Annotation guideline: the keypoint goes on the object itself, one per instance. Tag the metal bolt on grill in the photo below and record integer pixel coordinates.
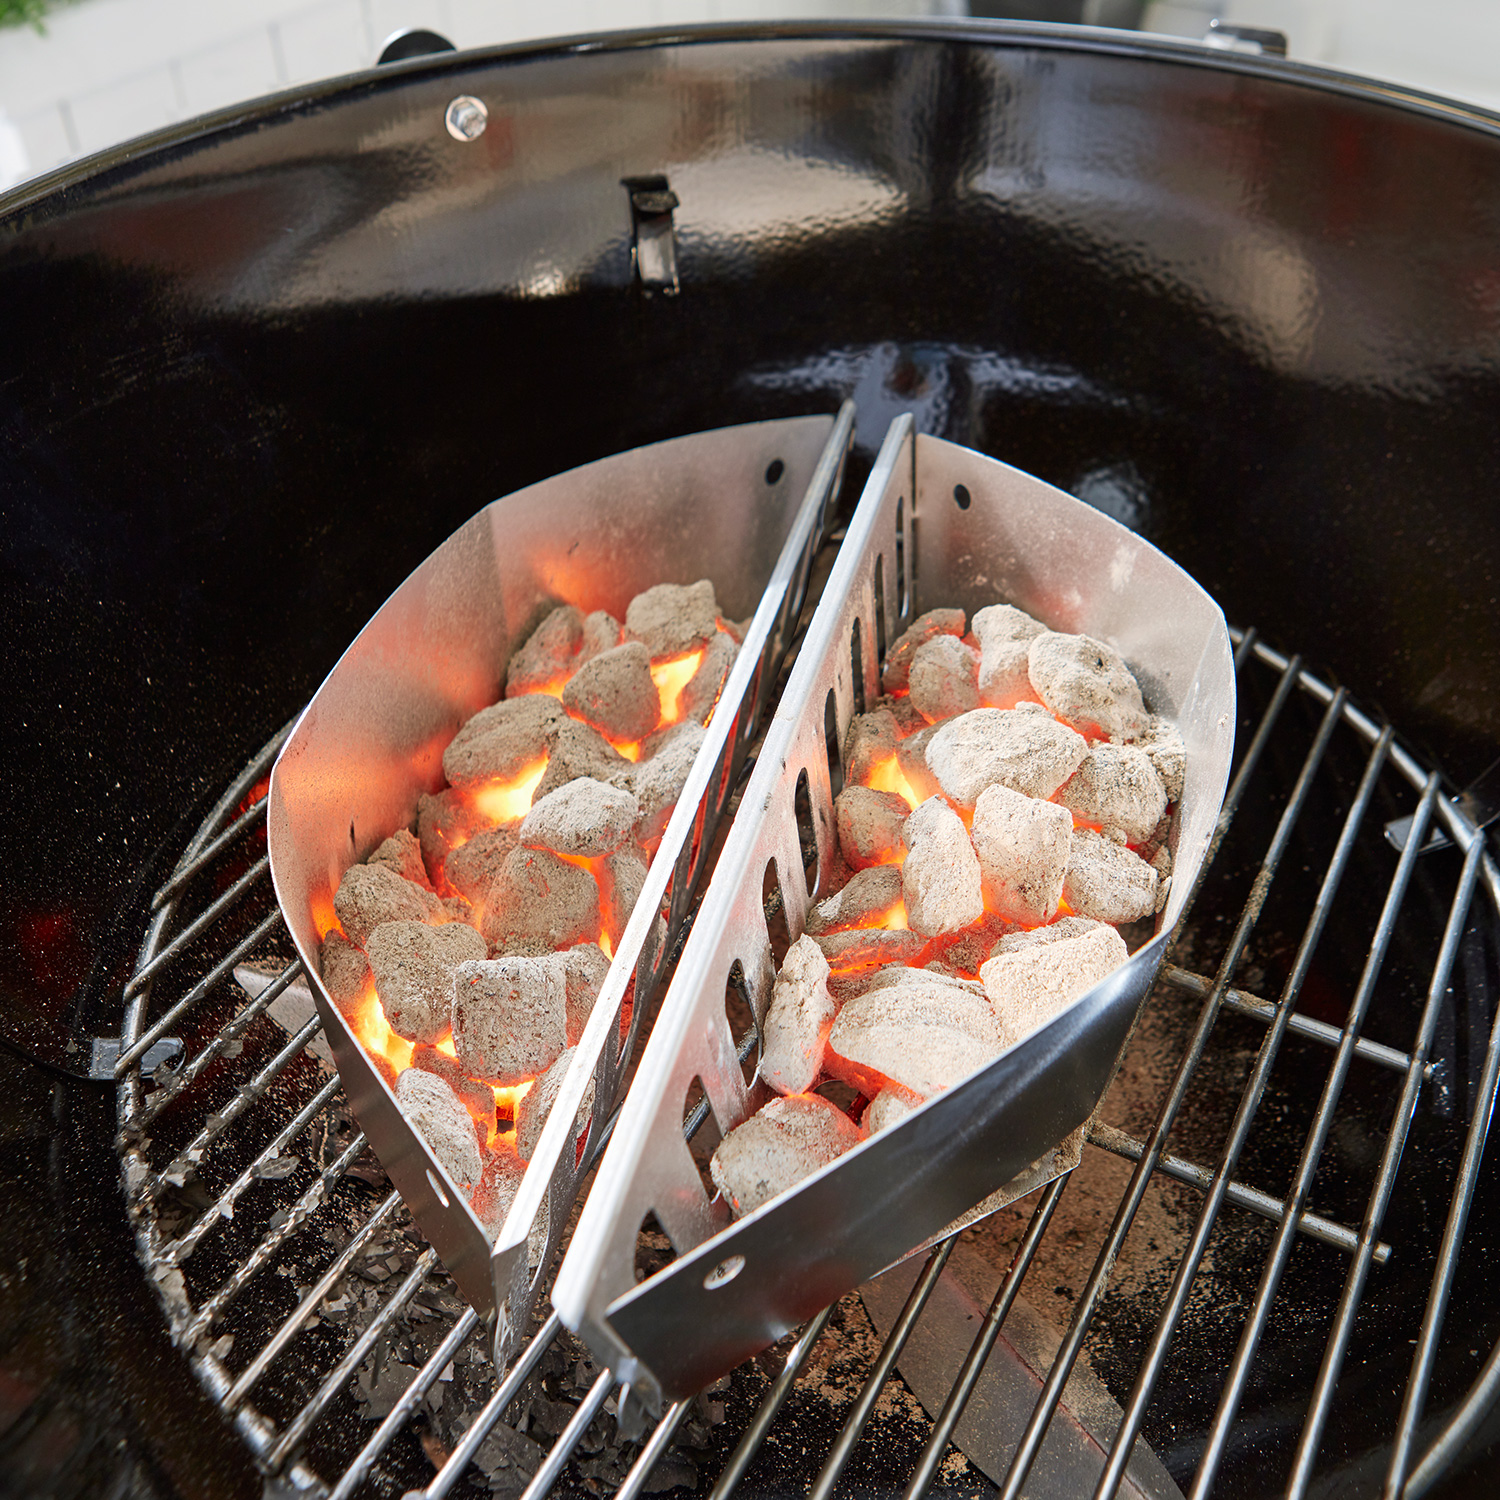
(1327, 969)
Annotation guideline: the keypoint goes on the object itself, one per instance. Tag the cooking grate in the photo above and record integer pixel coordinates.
(285, 1265)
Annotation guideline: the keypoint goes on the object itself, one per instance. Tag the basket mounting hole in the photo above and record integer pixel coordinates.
(774, 470)
(437, 1187)
(723, 1273)
(961, 496)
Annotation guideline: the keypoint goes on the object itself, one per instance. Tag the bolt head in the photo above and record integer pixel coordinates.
(466, 118)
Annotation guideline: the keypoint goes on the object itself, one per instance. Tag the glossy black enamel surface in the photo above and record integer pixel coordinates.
(252, 373)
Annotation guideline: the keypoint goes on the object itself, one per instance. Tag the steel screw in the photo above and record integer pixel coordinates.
(466, 118)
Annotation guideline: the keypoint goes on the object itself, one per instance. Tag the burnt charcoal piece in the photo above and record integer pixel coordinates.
(346, 973)
(1005, 634)
(658, 782)
(508, 1018)
(584, 969)
(797, 1021)
(1033, 976)
(869, 948)
(1023, 846)
(582, 817)
(575, 749)
(697, 699)
(923, 1033)
(601, 632)
(472, 869)
(477, 1098)
(777, 1147)
(548, 654)
(532, 1112)
(403, 854)
(539, 903)
(621, 877)
(1162, 741)
(872, 738)
(413, 966)
(1023, 748)
(672, 618)
(887, 1108)
(944, 678)
(501, 741)
(1117, 788)
(960, 954)
(439, 1117)
(940, 880)
(369, 895)
(445, 820)
(906, 645)
(1087, 683)
(903, 711)
(861, 901)
(1108, 882)
(616, 693)
(869, 824)
(497, 1189)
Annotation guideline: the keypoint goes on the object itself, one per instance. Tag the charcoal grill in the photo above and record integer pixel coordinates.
(1242, 305)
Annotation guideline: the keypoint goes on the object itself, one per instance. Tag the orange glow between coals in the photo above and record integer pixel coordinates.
(375, 1034)
(893, 920)
(670, 678)
(505, 801)
(508, 1097)
(446, 1047)
(886, 776)
(325, 919)
(606, 945)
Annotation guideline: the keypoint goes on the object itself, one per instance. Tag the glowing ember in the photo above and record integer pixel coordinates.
(606, 945)
(886, 776)
(505, 801)
(375, 1034)
(670, 678)
(325, 920)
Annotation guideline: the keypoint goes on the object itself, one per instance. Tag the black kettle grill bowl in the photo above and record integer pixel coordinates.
(253, 369)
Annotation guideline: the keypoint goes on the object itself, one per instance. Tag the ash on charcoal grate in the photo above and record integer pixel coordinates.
(468, 951)
(1004, 814)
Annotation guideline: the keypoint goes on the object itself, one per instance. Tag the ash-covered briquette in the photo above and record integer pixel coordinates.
(403, 854)
(539, 903)
(439, 1117)
(547, 655)
(532, 1112)
(509, 1017)
(797, 1020)
(922, 1034)
(1005, 634)
(961, 953)
(601, 632)
(1086, 682)
(582, 817)
(895, 678)
(867, 896)
(477, 1098)
(869, 826)
(786, 1141)
(944, 678)
(1117, 788)
(658, 782)
(584, 969)
(940, 878)
(346, 973)
(1162, 741)
(445, 820)
(474, 867)
(869, 947)
(672, 618)
(621, 878)
(926, 976)
(887, 1108)
(1023, 748)
(498, 1185)
(1033, 976)
(616, 693)
(576, 749)
(703, 688)
(1109, 882)
(911, 758)
(370, 895)
(501, 741)
(413, 965)
(872, 738)
(1023, 846)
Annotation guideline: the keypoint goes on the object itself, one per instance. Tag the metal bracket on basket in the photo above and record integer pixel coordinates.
(937, 525)
(742, 505)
